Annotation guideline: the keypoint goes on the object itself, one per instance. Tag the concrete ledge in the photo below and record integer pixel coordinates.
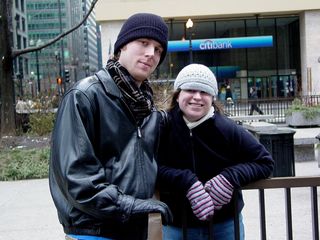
(259, 126)
(304, 147)
(305, 152)
(252, 117)
(305, 141)
(28, 111)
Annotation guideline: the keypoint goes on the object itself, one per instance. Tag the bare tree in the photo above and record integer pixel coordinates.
(7, 55)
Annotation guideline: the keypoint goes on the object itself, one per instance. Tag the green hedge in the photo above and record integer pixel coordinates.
(20, 164)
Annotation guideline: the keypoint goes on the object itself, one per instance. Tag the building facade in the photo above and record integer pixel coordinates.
(70, 59)
(271, 45)
(20, 41)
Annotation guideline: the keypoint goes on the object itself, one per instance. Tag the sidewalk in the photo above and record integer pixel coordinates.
(27, 211)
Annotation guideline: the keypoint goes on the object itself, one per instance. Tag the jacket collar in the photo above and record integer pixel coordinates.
(107, 82)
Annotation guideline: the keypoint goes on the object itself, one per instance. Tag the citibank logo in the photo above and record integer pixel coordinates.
(212, 44)
(221, 43)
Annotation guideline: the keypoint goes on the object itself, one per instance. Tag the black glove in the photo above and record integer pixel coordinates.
(152, 206)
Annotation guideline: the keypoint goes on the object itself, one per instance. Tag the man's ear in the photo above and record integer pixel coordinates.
(123, 48)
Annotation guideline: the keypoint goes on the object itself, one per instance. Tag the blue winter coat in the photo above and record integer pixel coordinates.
(217, 146)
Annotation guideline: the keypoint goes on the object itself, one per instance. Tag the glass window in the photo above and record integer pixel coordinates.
(23, 22)
(24, 42)
(22, 5)
(261, 61)
(18, 41)
(263, 67)
(288, 45)
(17, 18)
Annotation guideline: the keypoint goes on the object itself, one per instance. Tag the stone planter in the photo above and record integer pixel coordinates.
(296, 119)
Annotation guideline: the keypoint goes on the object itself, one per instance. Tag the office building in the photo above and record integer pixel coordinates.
(72, 58)
(272, 45)
(19, 36)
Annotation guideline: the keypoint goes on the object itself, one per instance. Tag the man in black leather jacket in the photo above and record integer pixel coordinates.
(102, 167)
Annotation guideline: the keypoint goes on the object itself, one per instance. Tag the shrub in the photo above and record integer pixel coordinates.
(161, 94)
(41, 123)
(20, 164)
(309, 111)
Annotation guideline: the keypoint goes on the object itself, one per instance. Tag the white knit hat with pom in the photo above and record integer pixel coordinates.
(196, 77)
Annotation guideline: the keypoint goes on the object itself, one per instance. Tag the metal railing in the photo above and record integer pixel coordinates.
(286, 183)
(275, 106)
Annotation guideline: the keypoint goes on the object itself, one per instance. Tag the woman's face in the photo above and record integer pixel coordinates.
(194, 104)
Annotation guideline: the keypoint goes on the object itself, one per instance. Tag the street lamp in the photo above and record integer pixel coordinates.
(189, 25)
(86, 68)
(62, 73)
(39, 43)
(20, 77)
(31, 83)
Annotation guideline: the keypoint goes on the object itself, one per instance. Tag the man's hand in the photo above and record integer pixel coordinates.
(152, 206)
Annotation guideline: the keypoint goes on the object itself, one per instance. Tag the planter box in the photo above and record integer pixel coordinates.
(296, 119)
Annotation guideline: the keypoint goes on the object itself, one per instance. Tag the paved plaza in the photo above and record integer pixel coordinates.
(27, 211)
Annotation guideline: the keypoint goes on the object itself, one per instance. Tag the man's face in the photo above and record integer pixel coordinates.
(141, 57)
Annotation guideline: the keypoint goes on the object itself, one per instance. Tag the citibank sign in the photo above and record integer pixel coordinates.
(220, 43)
(212, 44)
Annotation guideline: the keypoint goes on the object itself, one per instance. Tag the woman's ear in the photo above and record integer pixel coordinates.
(177, 98)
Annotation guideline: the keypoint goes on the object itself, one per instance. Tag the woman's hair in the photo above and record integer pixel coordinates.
(218, 107)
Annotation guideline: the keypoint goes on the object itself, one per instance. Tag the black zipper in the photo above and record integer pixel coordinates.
(192, 150)
(139, 133)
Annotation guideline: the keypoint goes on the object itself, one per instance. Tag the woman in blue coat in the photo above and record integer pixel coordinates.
(204, 157)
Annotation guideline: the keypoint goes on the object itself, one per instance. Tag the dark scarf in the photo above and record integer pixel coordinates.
(138, 99)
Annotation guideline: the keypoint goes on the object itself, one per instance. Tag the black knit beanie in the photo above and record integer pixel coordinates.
(143, 25)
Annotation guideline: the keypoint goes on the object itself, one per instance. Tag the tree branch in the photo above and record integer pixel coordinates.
(16, 53)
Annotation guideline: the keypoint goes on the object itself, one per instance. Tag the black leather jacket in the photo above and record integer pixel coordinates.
(99, 155)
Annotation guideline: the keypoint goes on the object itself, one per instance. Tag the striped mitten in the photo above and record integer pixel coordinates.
(201, 202)
(220, 190)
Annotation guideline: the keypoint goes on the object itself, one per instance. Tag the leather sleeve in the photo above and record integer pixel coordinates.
(77, 171)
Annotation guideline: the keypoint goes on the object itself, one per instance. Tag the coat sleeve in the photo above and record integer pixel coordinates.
(78, 174)
(254, 162)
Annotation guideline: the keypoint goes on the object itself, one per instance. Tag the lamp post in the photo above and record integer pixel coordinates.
(59, 75)
(38, 73)
(189, 26)
(57, 55)
(86, 68)
(62, 73)
(37, 44)
(20, 77)
(31, 84)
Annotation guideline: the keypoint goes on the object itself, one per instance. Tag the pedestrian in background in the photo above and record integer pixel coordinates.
(253, 101)
(102, 167)
(229, 98)
(204, 157)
